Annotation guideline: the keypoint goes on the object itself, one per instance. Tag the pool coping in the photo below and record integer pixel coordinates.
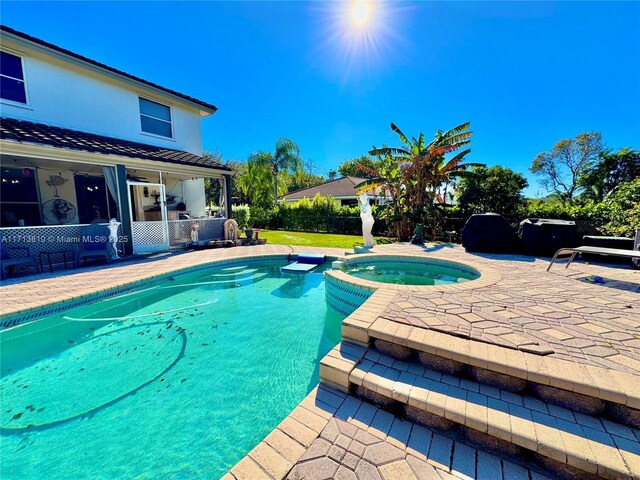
(488, 276)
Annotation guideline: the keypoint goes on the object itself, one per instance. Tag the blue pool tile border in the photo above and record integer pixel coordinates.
(37, 313)
(403, 260)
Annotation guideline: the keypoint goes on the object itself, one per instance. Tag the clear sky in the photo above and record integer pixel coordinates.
(524, 74)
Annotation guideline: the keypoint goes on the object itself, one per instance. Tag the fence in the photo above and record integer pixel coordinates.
(60, 238)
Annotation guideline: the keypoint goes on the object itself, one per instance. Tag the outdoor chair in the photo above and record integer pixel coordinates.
(94, 243)
(613, 252)
(9, 262)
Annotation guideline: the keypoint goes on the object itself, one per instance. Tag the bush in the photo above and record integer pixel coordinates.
(320, 214)
(260, 217)
(241, 214)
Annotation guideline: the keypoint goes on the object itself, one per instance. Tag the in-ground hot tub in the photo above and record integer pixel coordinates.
(409, 270)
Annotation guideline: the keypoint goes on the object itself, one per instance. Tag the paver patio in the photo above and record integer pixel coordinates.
(556, 315)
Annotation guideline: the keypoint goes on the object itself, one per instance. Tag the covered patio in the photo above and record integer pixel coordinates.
(56, 182)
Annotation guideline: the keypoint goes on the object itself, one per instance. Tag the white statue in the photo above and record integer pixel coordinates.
(194, 232)
(113, 237)
(367, 220)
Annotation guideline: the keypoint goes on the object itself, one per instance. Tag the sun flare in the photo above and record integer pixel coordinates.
(360, 13)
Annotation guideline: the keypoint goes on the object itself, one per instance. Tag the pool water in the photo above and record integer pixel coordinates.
(180, 380)
(410, 272)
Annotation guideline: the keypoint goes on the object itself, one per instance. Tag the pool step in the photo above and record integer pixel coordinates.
(586, 388)
(233, 274)
(223, 283)
(568, 443)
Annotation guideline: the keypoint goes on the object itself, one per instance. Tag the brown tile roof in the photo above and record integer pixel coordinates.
(24, 36)
(342, 187)
(41, 134)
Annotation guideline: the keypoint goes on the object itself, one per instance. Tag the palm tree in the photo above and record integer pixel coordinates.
(426, 172)
(286, 157)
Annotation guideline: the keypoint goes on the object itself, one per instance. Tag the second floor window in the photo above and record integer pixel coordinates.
(12, 78)
(155, 118)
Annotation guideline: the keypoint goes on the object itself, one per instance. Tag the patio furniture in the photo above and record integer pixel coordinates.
(95, 243)
(614, 252)
(542, 236)
(9, 263)
(46, 255)
(488, 232)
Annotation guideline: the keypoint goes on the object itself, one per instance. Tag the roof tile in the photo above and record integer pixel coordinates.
(39, 133)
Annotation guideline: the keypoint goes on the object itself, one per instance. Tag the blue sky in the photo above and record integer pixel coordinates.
(525, 74)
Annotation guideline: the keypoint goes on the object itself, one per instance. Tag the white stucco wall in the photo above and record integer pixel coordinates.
(194, 197)
(75, 97)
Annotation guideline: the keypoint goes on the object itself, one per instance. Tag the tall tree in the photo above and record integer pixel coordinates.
(611, 170)
(496, 189)
(426, 171)
(285, 158)
(563, 166)
(357, 167)
(255, 182)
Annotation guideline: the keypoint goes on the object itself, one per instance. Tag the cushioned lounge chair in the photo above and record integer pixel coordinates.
(95, 243)
(8, 262)
(614, 252)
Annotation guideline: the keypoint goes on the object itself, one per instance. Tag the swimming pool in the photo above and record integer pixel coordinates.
(409, 270)
(179, 380)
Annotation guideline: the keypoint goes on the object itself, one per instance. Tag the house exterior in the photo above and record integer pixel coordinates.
(342, 189)
(82, 142)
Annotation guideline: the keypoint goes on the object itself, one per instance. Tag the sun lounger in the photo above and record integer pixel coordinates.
(613, 252)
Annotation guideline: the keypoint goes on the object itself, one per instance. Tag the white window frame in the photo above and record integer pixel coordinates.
(171, 123)
(6, 101)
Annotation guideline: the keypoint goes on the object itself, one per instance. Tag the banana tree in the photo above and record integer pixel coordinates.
(286, 157)
(426, 171)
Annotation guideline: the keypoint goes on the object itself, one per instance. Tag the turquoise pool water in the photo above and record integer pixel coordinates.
(178, 381)
(406, 271)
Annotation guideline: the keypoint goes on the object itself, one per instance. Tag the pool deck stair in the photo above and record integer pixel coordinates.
(574, 428)
(332, 435)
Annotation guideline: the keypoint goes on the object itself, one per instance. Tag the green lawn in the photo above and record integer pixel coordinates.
(282, 237)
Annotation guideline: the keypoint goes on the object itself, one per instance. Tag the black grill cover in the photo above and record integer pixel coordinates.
(488, 232)
(542, 236)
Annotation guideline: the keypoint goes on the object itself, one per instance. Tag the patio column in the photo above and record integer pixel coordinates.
(227, 189)
(125, 208)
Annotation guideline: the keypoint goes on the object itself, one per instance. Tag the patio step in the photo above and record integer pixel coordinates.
(568, 443)
(586, 388)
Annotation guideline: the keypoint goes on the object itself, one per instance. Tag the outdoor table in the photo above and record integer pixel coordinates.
(47, 255)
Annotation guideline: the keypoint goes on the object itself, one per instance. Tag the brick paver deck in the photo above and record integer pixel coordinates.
(557, 314)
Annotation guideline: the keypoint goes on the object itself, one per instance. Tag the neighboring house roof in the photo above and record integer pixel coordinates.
(41, 134)
(340, 188)
(64, 51)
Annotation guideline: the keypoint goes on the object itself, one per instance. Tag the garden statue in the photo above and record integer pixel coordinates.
(194, 232)
(113, 237)
(418, 232)
(231, 230)
(367, 220)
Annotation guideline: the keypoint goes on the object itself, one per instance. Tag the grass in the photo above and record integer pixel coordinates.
(283, 237)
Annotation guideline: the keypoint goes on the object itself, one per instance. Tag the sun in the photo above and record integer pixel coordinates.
(360, 13)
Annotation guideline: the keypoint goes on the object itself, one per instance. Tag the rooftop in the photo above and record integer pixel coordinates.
(341, 187)
(40, 134)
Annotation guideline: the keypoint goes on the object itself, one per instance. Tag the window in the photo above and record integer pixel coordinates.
(155, 118)
(95, 203)
(12, 78)
(19, 198)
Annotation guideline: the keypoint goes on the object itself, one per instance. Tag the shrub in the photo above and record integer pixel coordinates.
(260, 217)
(241, 214)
